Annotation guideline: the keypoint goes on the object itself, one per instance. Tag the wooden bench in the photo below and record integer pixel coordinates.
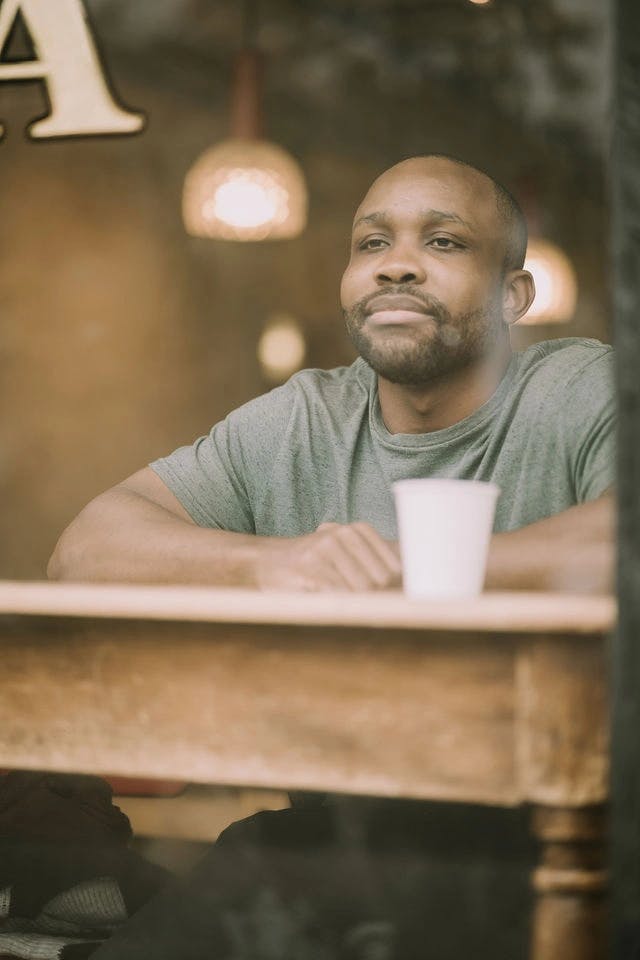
(500, 700)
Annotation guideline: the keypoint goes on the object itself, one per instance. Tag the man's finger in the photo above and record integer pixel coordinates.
(388, 553)
(352, 574)
(348, 566)
(372, 569)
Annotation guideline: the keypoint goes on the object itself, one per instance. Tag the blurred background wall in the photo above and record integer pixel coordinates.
(121, 337)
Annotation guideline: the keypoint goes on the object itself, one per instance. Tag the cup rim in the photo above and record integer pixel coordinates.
(445, 481)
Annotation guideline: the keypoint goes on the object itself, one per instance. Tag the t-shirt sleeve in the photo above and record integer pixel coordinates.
(216, 477)
(589, 424)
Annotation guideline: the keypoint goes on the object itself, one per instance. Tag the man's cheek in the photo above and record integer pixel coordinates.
(352, 288)
(347, 298)
(344, 292)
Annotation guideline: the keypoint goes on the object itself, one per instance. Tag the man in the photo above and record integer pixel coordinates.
(293, 490)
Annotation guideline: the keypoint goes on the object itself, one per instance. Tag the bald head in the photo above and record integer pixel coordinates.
(485, 190)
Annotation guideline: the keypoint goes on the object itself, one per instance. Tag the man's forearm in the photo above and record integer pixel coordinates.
(573, 551)
(125, 536)
(121, 536)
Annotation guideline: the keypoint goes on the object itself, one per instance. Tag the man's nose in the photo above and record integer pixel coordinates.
(400, 265)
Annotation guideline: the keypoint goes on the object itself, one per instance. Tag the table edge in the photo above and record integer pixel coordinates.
(499, 612)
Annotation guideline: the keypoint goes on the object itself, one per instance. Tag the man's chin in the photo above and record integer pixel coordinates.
(403, 359)
(409, 371)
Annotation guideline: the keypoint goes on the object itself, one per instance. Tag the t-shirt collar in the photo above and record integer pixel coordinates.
(435, 437)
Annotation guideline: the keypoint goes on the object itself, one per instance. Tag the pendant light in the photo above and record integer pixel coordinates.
(281, 348)
(245, 187)
(555, 282)
(553, 273)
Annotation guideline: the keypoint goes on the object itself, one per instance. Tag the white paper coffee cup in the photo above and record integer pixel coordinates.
(444, 528)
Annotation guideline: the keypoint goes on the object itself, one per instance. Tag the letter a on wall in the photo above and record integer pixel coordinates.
(68, 64)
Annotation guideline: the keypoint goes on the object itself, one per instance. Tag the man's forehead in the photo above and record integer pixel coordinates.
(432, 184)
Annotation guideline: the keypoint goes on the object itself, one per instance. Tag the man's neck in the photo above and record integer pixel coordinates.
(424, 408)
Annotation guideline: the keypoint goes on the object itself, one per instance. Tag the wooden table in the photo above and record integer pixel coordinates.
(500, 700)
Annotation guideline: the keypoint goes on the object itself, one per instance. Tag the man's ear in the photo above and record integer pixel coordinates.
(518, 292)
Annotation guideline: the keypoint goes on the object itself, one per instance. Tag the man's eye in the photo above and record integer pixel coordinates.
(445, 243)
(372, 243)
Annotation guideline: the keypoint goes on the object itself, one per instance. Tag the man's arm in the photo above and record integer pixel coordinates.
(572, 551)
(139, 532)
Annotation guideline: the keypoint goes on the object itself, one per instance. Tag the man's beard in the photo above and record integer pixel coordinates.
(415, 359)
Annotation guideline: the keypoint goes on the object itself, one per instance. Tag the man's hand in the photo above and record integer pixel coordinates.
(335, 557)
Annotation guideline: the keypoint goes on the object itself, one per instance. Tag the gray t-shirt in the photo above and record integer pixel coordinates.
(316, 449)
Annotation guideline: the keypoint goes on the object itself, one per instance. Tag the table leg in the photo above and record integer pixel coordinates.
(569, 918)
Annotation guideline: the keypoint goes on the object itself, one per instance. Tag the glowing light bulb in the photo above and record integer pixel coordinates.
(245, 190)
(281, 348)
(555, 282)
(248, 199)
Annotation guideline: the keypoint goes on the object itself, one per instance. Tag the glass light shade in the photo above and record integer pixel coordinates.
(281, 348)
(556, 284)
(245, 189)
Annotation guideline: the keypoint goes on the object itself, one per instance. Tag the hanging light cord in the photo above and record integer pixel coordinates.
(250, 16)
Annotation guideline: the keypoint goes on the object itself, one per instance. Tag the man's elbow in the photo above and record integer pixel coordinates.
(54, 567)
(64, 563)
(71, 557)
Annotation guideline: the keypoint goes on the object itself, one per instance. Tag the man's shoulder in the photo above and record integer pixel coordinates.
(567, 360)
(315, 381)
(310, 393)
(310, 383)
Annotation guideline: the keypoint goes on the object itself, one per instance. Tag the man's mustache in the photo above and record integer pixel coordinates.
(432, 305)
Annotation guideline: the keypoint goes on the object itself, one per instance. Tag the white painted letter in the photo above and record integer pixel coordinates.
(69, 66)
